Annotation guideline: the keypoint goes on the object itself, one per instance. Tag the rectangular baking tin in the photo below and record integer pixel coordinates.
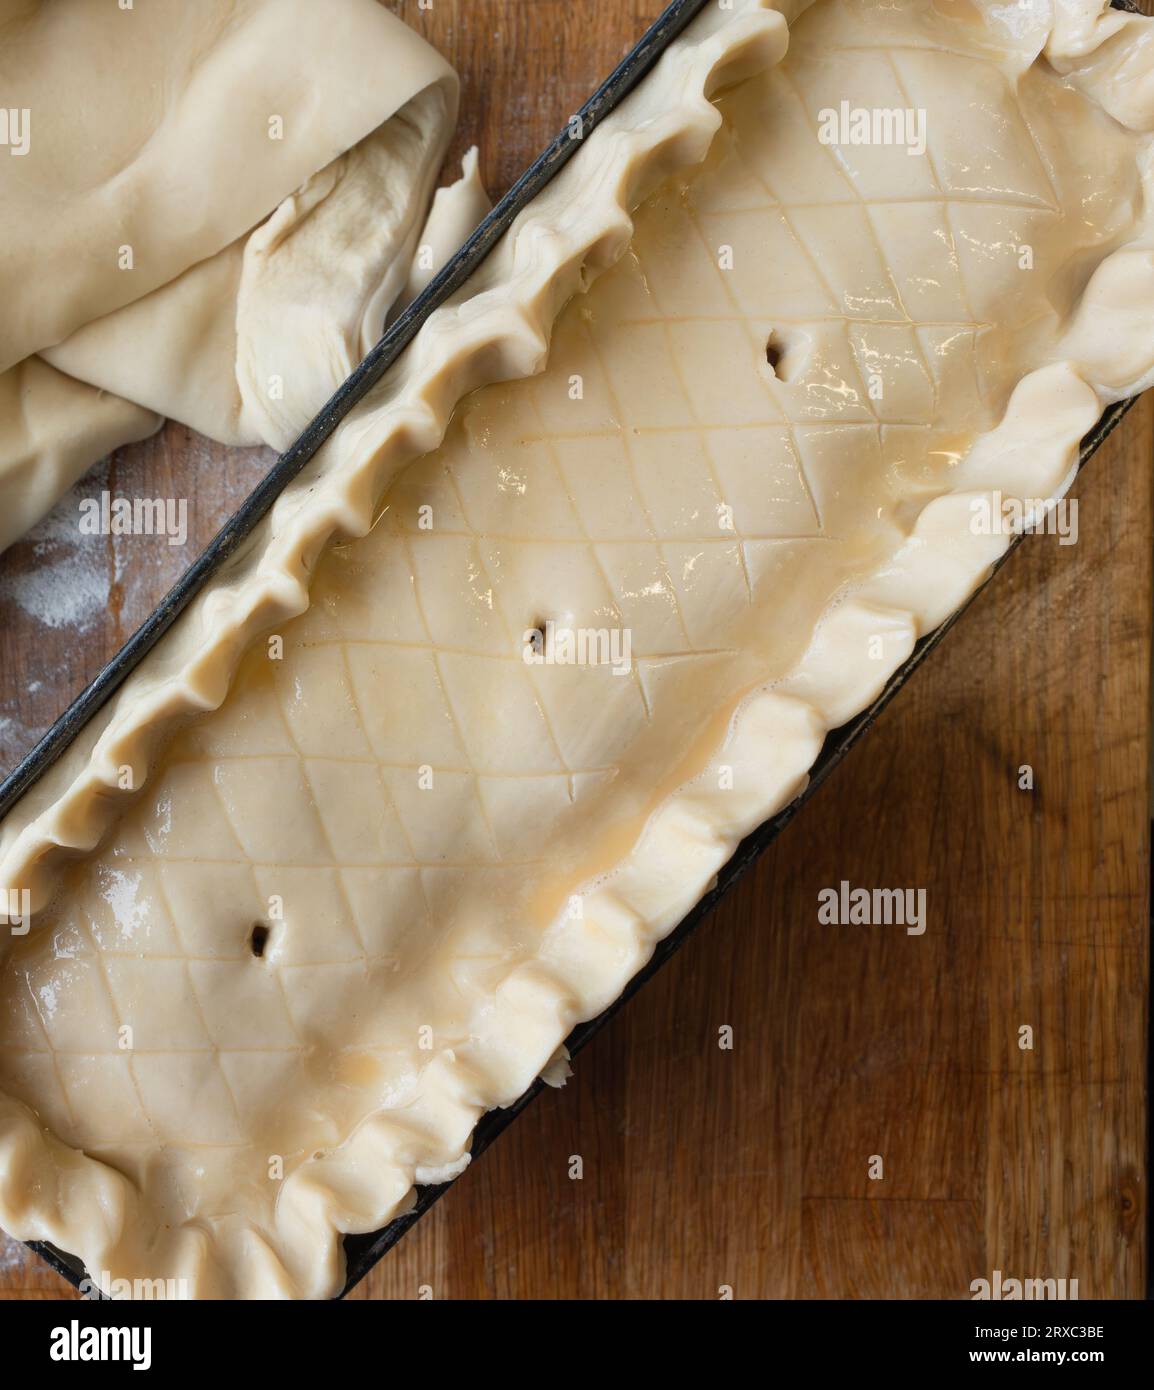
(363, 1251)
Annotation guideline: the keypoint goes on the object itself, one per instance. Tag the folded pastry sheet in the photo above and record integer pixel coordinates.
(356, 848)
(144, 145)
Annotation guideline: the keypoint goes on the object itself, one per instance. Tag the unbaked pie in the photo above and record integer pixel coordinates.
(418, 782)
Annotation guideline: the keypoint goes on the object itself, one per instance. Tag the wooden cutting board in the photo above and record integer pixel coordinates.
(749, 1168)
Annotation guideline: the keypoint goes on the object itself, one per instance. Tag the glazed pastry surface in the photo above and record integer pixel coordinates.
(366, 898)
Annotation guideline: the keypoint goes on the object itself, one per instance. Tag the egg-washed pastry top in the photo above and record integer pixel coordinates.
(565, 609)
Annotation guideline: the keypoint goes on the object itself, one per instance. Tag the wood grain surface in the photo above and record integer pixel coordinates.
(748, 1169)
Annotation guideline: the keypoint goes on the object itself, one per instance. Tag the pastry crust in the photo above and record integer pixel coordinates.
(509, 923)
(498, 327)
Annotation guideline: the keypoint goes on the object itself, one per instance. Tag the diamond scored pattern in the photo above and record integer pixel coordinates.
(600, 508)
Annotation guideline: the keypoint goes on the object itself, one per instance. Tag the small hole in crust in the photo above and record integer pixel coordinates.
(786, 354)
(259, 939)
(535, 637)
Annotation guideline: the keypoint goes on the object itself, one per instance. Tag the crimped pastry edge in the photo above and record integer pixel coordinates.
(500, 329)
(496, 328)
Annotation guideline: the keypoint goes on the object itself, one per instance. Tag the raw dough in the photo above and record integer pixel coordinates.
(241, 335)
(455, 855)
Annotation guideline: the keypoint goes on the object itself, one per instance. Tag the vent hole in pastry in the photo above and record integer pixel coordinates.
(785, 356)
(259, 939)
(535, 637)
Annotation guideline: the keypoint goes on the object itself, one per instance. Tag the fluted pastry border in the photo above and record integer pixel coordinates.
(496, 329)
